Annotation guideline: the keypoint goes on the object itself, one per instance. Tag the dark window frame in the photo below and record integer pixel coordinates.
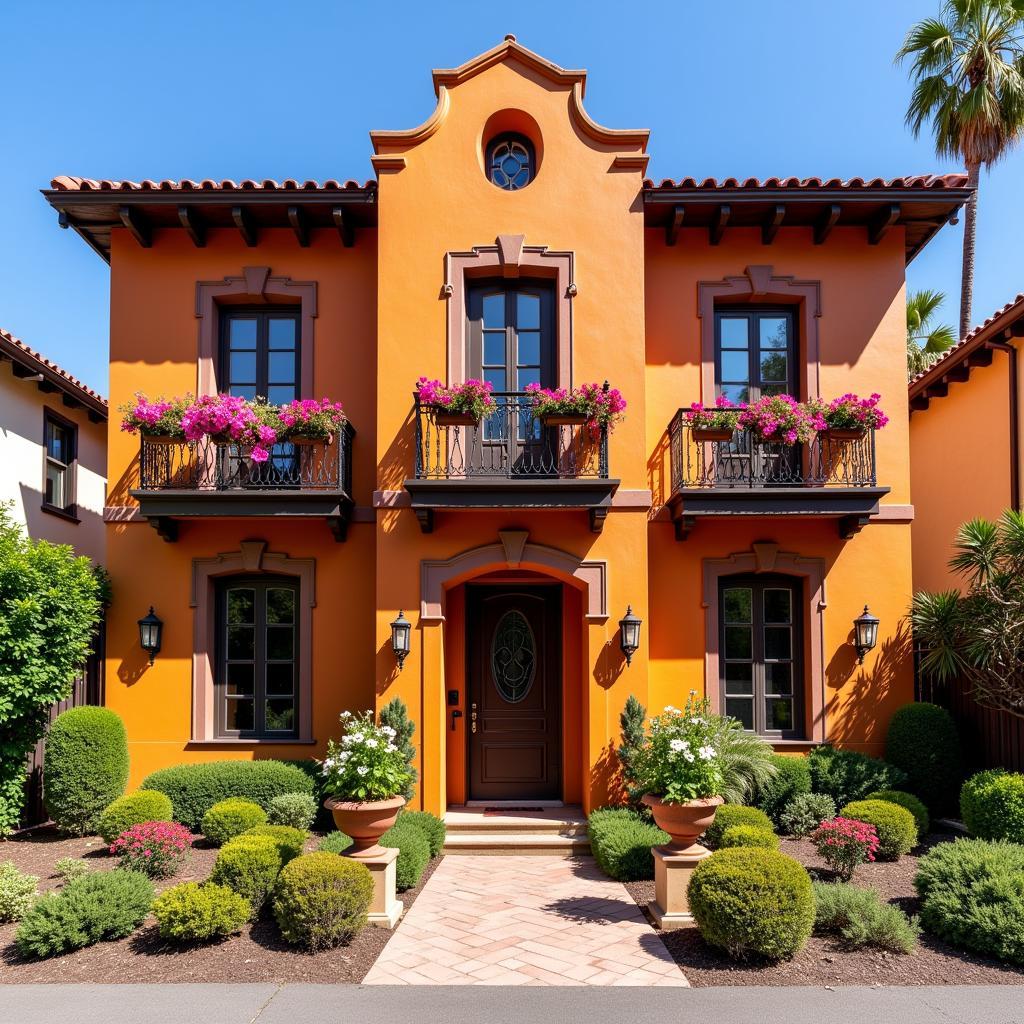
(262, 315)
(70, 508)
(753, 314)
(260, 583)
(531, 154)
(758, 583)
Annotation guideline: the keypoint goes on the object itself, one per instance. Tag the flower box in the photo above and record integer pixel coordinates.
(844, 433)
(165, 439)
(444, 418)
(712, 433)
(564, 419)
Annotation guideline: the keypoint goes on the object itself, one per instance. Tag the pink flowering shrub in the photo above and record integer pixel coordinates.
(602, 406)
(473, 398)
(156, 848)
(781, 418)
(161, 418)
(722, 416)
(844, 843)
(850, 412)
(308, 417)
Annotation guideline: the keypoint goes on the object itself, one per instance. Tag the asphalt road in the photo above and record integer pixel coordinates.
(334, 1004)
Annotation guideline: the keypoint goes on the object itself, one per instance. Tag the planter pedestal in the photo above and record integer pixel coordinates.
(385, 908)
(670, 907)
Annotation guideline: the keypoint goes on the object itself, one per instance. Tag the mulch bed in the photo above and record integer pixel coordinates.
(825, 961)
(258, 954)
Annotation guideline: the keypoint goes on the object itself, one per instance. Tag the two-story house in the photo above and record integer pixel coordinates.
(508, 238)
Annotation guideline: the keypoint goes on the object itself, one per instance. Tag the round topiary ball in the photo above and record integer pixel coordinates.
(924, 743)
(133, 809)
(249, 865)
(321, 900)
(992, 805)
(290, 841)
(85, 767)
(748, 835)
(735, 814)
(897, 830)
(752, 901)
(199, 912)
(908, 802)
(230, 818)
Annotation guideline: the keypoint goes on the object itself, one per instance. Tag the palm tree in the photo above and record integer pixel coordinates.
(968, 71)
(926, 340)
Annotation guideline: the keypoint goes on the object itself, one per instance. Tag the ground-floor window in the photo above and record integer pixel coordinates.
(761, 653)
(257, 657)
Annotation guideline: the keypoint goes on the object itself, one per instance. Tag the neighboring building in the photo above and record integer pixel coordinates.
(973, 389)
(53, 450)
(510, 237)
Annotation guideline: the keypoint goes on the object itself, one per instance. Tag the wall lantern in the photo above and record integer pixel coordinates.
(401, 631)
(150, 634)
(865, 633)
(629, 634)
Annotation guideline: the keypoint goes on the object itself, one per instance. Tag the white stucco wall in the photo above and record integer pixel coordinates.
(21, 466)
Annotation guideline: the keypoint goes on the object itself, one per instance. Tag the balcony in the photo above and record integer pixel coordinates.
(744, 476)
(508, 460)
(182, 480)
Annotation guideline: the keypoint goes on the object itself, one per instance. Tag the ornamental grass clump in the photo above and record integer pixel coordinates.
(366, 765)
(601, 406)
(844, 844)
(472, 398)
(156, 848)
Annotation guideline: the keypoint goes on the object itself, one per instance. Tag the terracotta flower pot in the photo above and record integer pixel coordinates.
(683, 822)
(365, 821)
(712, 434)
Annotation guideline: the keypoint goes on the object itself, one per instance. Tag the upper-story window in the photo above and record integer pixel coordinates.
(260, 354)
(60, 439)
(755, 354)
(511, 161)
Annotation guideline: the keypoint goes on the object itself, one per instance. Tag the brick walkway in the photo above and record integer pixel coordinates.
(494, 920)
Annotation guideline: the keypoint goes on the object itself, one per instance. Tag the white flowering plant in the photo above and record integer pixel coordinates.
(365, 764)
(679, 759)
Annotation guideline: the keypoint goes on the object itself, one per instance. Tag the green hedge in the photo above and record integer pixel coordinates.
(735, 814)
(847, 775)
(430, 825)
(923, 741)
(413, 852)
(134, 809)
(621, 841)
(85, 767)
(992, 805)
(895, 825)
(195, 788)
(792, 778)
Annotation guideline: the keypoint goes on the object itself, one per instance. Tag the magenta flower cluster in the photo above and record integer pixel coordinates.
(781, 418)
(844, 843)
(156, 848)
(472, 398)
(851, 412)
(722, 416)
(602, 408)
(310, 413)
(229, 418)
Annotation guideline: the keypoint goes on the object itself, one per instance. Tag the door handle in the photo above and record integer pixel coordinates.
(455, 714)
(472, 718)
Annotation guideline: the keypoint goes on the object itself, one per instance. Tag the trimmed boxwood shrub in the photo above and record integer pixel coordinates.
(908, 802)
(748, 835)
(972, 895)
(297, 810)
(290, 841)
(430, 825)
(249, 865)
(806, 812)
(992, 805)
(735, 814)
(85, 767)
(413, 852)
(230, 818)
(621, 841)
(897, 830)
(924, 743)
(321, 900)
(102, 905)
(335, 842)
(792, 778)
(200, 912)
(750, 901)
(195, 788)
(847, 775)
(134, 809)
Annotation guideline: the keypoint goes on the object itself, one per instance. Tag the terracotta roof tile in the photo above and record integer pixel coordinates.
(74, 384)
(917, 181)
(66, 183)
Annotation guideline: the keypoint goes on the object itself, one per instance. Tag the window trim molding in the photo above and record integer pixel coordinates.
(256, 287)
(70, 510)
(252, 558)
(509, 257)
(766, 557)
(759, 285)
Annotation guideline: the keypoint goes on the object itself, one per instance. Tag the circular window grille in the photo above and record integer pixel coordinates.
(513, 657)
(510, 162)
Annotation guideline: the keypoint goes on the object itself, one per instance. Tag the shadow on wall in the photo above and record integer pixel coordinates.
(118, 493)
(134, 663)
(399, 461)
(611, 663)
(659, 478)
(860, 718)
(49, 526)
(606, 783)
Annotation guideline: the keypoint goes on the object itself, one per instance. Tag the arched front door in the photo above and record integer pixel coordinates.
(514, 676)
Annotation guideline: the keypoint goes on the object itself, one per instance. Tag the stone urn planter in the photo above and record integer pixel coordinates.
(683, 822)
(365, 821)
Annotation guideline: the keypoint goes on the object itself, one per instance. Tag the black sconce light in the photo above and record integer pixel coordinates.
(150, 634)
(865, 633)
(629, 634)
(401, 632)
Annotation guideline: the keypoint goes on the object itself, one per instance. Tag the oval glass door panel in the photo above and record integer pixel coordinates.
(513, 657)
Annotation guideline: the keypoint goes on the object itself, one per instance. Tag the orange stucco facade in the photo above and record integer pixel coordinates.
(383, 319)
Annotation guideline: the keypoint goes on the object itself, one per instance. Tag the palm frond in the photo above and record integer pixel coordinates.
(977, 557)
(937, 620)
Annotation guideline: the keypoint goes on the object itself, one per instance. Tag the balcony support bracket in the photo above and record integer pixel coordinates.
(597, 517)
(166, 527)
(426, 519)
(850, 526)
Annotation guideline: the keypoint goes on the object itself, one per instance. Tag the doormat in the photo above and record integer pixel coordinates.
(511, 810)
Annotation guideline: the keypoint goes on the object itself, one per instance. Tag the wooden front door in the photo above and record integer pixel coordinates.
(514, 676)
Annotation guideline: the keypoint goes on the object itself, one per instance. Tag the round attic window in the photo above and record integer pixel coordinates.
(511, 161)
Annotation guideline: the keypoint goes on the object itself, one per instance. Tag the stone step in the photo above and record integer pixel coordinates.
(520, 844)
(568, 822)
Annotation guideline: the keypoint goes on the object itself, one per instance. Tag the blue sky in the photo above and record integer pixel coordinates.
(234, 90)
